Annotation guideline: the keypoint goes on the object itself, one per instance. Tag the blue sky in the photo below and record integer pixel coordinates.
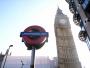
(16, 15)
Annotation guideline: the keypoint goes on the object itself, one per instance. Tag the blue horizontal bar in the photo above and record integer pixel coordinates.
(34, 34)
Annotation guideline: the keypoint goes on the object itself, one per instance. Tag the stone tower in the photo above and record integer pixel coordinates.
(67, 54)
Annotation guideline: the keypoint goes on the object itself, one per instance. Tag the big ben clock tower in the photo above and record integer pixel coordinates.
(67, 54)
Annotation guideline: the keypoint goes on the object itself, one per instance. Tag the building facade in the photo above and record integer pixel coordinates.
(67, 54)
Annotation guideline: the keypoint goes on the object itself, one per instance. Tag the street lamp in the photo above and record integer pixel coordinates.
(11, 46)
(6, 54)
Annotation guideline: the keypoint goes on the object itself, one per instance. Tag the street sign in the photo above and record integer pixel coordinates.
(34, 36)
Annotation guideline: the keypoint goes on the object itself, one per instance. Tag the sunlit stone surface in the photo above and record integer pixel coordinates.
(67, 54)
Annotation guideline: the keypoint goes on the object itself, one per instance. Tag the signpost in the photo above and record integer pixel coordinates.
(34, 38)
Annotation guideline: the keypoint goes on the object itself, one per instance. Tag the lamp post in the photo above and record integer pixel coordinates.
(6, 54)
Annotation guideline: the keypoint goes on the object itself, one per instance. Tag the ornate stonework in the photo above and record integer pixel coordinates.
(67, 54)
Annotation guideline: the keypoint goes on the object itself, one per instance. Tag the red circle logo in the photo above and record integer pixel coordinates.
(37, 40)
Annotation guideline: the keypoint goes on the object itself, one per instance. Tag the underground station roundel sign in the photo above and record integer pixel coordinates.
(34, 36)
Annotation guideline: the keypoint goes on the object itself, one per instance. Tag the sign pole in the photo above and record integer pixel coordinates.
(34, 38)
(32, 57)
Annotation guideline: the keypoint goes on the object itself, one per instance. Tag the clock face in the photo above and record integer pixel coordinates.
(62, 22)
